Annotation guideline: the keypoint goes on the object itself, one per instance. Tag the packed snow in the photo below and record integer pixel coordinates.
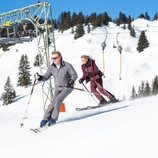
(124, 129)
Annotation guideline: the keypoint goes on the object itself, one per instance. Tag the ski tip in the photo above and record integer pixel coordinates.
(34, 130)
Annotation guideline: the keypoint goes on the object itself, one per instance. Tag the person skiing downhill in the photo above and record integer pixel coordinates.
(64, 77)
(94, 75)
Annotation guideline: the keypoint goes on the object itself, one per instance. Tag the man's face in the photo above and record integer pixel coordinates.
(56, 59)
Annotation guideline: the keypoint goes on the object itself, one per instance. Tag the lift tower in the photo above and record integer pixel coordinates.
(40, 15)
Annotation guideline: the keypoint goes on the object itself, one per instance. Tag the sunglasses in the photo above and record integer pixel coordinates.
(54, 58)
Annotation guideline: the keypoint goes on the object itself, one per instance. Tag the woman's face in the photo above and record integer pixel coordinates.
(84, 60)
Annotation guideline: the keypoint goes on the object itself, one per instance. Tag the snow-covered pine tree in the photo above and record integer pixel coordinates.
(79, 32)
(155, 86)
(9, 93)
(147, 89)
(132, 32)
(141, 89)
(24, 71)
(38, 60)
(143, 42)
(124, 26)
(134, 94)
(129, 26)
(72, 30)
(88, 28)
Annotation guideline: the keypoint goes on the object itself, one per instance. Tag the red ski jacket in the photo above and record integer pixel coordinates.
(90, 70)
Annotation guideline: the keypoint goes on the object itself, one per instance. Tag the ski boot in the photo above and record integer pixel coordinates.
(51, 122)
(43, 123)
(113, 100)
(102, 102)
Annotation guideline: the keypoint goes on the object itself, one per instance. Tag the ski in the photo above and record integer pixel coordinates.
(90, 107)
(39, 129)
(94, 107)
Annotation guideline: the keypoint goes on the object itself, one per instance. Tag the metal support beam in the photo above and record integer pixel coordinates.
(40, 15)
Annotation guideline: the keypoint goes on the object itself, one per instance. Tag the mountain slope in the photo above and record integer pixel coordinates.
(125, 129)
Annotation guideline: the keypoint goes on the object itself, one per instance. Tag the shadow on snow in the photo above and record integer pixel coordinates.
(91, 114)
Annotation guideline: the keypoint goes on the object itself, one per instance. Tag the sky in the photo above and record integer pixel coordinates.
(112, 7)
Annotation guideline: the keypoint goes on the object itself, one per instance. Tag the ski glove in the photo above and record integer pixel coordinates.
(39, 77)
(70, 84)
(81, 80)
(86, 74)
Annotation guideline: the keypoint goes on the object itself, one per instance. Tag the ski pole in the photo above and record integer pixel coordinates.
(83, 90)
(89, 92)
(25, 114)
(107, 92)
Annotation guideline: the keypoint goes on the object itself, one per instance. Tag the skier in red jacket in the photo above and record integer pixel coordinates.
(94, 75)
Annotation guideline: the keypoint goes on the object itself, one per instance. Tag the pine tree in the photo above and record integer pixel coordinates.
(99, 21)
(156, 16)
(132, 32)
(143, 42)
(129, 20)
(72, 30)
(9, 93)
(142, 16)
(155, 86)
(122, 19)
(65, 21)
(124, 26)
(24, 72)
(79, 32)
(74, 19)
(147, 89)
(92, 19)
(129, 26)
(80, 18)
(141, 90)
(88, 28)
(147, 17)
(38, 60)
(105, 18)
(134, 94)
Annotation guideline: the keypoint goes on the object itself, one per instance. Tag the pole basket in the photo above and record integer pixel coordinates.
(62, 108)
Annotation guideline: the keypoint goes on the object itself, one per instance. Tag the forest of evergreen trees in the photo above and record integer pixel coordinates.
(145, 89)
(68, 20)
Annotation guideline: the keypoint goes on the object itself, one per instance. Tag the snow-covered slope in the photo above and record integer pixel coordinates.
(135, 66)
(125, 129)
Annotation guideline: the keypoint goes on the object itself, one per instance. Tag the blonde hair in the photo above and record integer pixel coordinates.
(86, 57)
(57, 52)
